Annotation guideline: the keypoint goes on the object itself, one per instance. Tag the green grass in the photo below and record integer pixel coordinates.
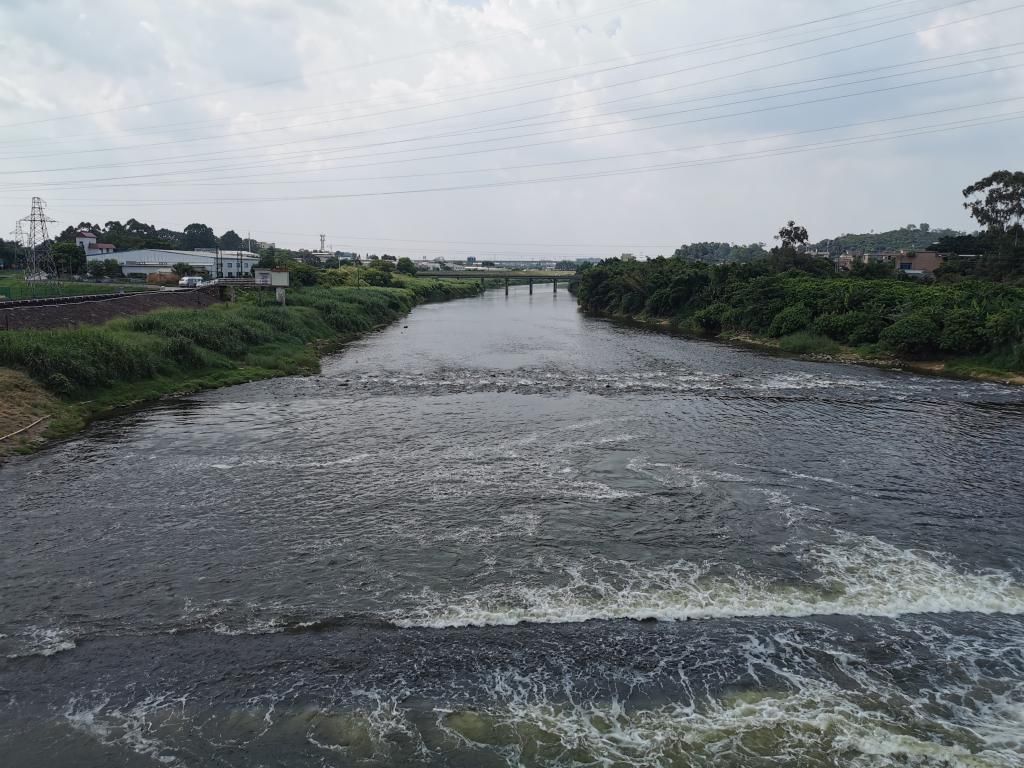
(99, 369)
(259, 338)
(13, 286)
(806, 343)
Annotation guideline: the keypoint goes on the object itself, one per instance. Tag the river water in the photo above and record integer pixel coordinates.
(499, 533)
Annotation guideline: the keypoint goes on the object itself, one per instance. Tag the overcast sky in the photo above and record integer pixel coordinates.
(507, 127)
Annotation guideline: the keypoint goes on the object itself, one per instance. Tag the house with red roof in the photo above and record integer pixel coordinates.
(86, 240)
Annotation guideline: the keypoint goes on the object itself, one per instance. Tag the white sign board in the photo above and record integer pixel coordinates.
(271, 278)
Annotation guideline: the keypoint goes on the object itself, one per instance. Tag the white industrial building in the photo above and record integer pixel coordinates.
(148, 261)
(86, 240)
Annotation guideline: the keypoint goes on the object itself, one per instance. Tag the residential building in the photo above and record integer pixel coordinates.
(913, 263)
(86, 240)
(919, 262)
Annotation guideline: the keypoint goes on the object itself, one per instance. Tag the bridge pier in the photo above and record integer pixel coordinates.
(554, 284)
(531, 286)
(506, 286)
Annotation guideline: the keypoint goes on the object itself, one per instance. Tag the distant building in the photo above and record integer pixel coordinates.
(913, 263)
(149, 261)
(314, 257)
(471, 259)
(86, 240)
(628, 257)
(919, 262)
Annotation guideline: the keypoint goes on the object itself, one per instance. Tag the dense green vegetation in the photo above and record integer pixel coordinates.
(247, 339)
(903, 317)
(720, 253)
(974, 311)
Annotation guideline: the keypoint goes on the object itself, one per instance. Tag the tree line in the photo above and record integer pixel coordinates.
(792, 291)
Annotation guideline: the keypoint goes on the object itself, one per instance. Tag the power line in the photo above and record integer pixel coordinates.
(575, 161)
(601, 135)
(278, 81)
(905, 133)
(525, 122)
(347, 105)
(197, 157)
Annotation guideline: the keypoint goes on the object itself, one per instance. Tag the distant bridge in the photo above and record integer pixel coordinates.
(539, 276)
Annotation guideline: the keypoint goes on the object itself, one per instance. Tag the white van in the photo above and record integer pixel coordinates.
(190, 281)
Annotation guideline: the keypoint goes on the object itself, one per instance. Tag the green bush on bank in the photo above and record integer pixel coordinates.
(905, 317)
(176, 342)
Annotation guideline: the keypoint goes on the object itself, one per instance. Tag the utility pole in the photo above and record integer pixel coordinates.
(37, 266)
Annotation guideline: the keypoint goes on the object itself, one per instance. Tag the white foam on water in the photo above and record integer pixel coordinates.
(290, 464)
(130, 727)
(814, 725)
(45, 641)
(802, 719)
(857, 576)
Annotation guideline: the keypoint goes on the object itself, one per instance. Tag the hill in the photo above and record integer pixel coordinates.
(907, 238)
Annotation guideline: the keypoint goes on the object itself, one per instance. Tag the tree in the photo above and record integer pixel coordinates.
(405, 266)
(872, 269)
(67, 236)
(924, 227)
(302, 274)
(997, 202)
(68, 258)
(268, 258)
(112, 268)
(792, 236)
(231, 241)
(198, 236)
(97, 269)
(182, 269)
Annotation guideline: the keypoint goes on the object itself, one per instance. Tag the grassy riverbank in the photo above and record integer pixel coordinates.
(971, 328)
(73, 376)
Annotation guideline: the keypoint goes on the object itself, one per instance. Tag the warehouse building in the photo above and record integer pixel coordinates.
(149, 261)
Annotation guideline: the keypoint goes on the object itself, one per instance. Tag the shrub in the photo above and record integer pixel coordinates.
(790, 320)
(1005, 327)
(709, 319)
(914, 334)
(963, 332)
(803, 343)
(851, 327)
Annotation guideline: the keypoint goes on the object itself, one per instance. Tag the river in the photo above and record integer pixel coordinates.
(499, 533)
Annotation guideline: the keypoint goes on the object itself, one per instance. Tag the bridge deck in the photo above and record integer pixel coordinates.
(494, 274)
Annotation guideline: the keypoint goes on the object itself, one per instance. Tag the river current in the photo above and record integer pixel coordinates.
(499, 533)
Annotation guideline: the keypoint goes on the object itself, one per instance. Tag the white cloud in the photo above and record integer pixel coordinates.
(375, 77)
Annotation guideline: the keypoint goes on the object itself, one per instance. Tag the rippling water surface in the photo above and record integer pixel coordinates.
(502, 534)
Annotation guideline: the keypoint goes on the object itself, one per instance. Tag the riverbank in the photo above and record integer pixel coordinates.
(816, 348)
(971, 328)
(55, 382)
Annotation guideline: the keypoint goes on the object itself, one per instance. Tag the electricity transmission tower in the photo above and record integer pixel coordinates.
(37, 265)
